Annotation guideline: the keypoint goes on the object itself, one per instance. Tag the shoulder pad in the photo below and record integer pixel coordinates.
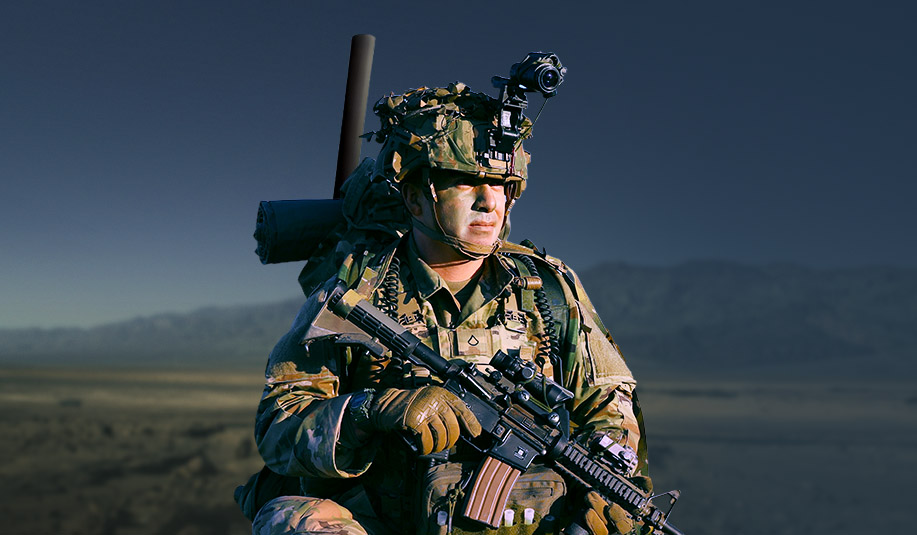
(529, 249)
(366, 275)
(514, 248)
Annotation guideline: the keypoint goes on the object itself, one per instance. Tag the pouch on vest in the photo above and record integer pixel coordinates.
(539, 489)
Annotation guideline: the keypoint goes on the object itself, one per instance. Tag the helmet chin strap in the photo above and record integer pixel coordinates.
(472, 251)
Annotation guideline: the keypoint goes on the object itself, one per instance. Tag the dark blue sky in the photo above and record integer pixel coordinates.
(138, 137)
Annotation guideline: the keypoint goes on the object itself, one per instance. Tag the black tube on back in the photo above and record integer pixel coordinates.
(361, 63)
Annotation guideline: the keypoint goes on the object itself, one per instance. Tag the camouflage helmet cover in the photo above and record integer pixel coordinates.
(445, 128)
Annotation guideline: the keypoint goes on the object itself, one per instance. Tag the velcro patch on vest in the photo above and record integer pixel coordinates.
(473, 342)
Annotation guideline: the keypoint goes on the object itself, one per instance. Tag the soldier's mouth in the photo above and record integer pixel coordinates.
(482, 229)
(483, 223)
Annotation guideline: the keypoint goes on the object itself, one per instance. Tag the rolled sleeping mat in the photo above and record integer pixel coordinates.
(290, 231)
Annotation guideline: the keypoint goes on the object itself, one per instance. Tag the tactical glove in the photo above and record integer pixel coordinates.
(599, 516)
(432, 414)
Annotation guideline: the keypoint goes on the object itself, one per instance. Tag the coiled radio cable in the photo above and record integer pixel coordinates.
(550, 348)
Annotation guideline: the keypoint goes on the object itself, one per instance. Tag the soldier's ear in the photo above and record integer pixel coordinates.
(414, 199)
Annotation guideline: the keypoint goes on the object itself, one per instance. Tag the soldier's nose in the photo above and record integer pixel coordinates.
(487, 198)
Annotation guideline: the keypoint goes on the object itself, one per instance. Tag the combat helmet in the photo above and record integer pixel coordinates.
(448, 128)
(445, 128)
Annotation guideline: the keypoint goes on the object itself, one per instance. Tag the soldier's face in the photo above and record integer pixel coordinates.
(468, 207)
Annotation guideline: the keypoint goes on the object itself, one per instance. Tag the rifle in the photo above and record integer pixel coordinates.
(522, 416)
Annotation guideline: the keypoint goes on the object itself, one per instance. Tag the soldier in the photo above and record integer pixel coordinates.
(335, 418)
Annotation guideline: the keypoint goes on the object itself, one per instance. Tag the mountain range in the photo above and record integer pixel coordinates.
(724, 318)
(704, 318)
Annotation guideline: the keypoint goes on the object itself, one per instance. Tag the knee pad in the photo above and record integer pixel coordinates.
(301, 515)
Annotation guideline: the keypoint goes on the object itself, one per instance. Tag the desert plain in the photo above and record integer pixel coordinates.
(159, 452)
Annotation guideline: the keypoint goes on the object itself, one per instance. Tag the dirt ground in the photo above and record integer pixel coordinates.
(128, 452)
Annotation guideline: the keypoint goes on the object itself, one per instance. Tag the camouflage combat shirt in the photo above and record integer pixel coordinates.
(310, 379)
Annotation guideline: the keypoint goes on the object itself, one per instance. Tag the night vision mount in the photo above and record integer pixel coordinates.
(539, 71)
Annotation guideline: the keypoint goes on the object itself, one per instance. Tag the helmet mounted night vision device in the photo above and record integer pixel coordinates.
(539, 71)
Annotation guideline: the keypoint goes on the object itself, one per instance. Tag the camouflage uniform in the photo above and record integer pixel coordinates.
(382, 488)
(310, 378)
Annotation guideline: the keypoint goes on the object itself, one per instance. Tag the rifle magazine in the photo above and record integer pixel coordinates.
(491, 488)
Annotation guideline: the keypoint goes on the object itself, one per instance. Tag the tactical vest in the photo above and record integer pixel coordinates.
(433, 486)
(509, 321)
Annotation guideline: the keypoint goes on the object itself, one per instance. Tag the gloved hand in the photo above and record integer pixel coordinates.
(433, 414)
(599, 516)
